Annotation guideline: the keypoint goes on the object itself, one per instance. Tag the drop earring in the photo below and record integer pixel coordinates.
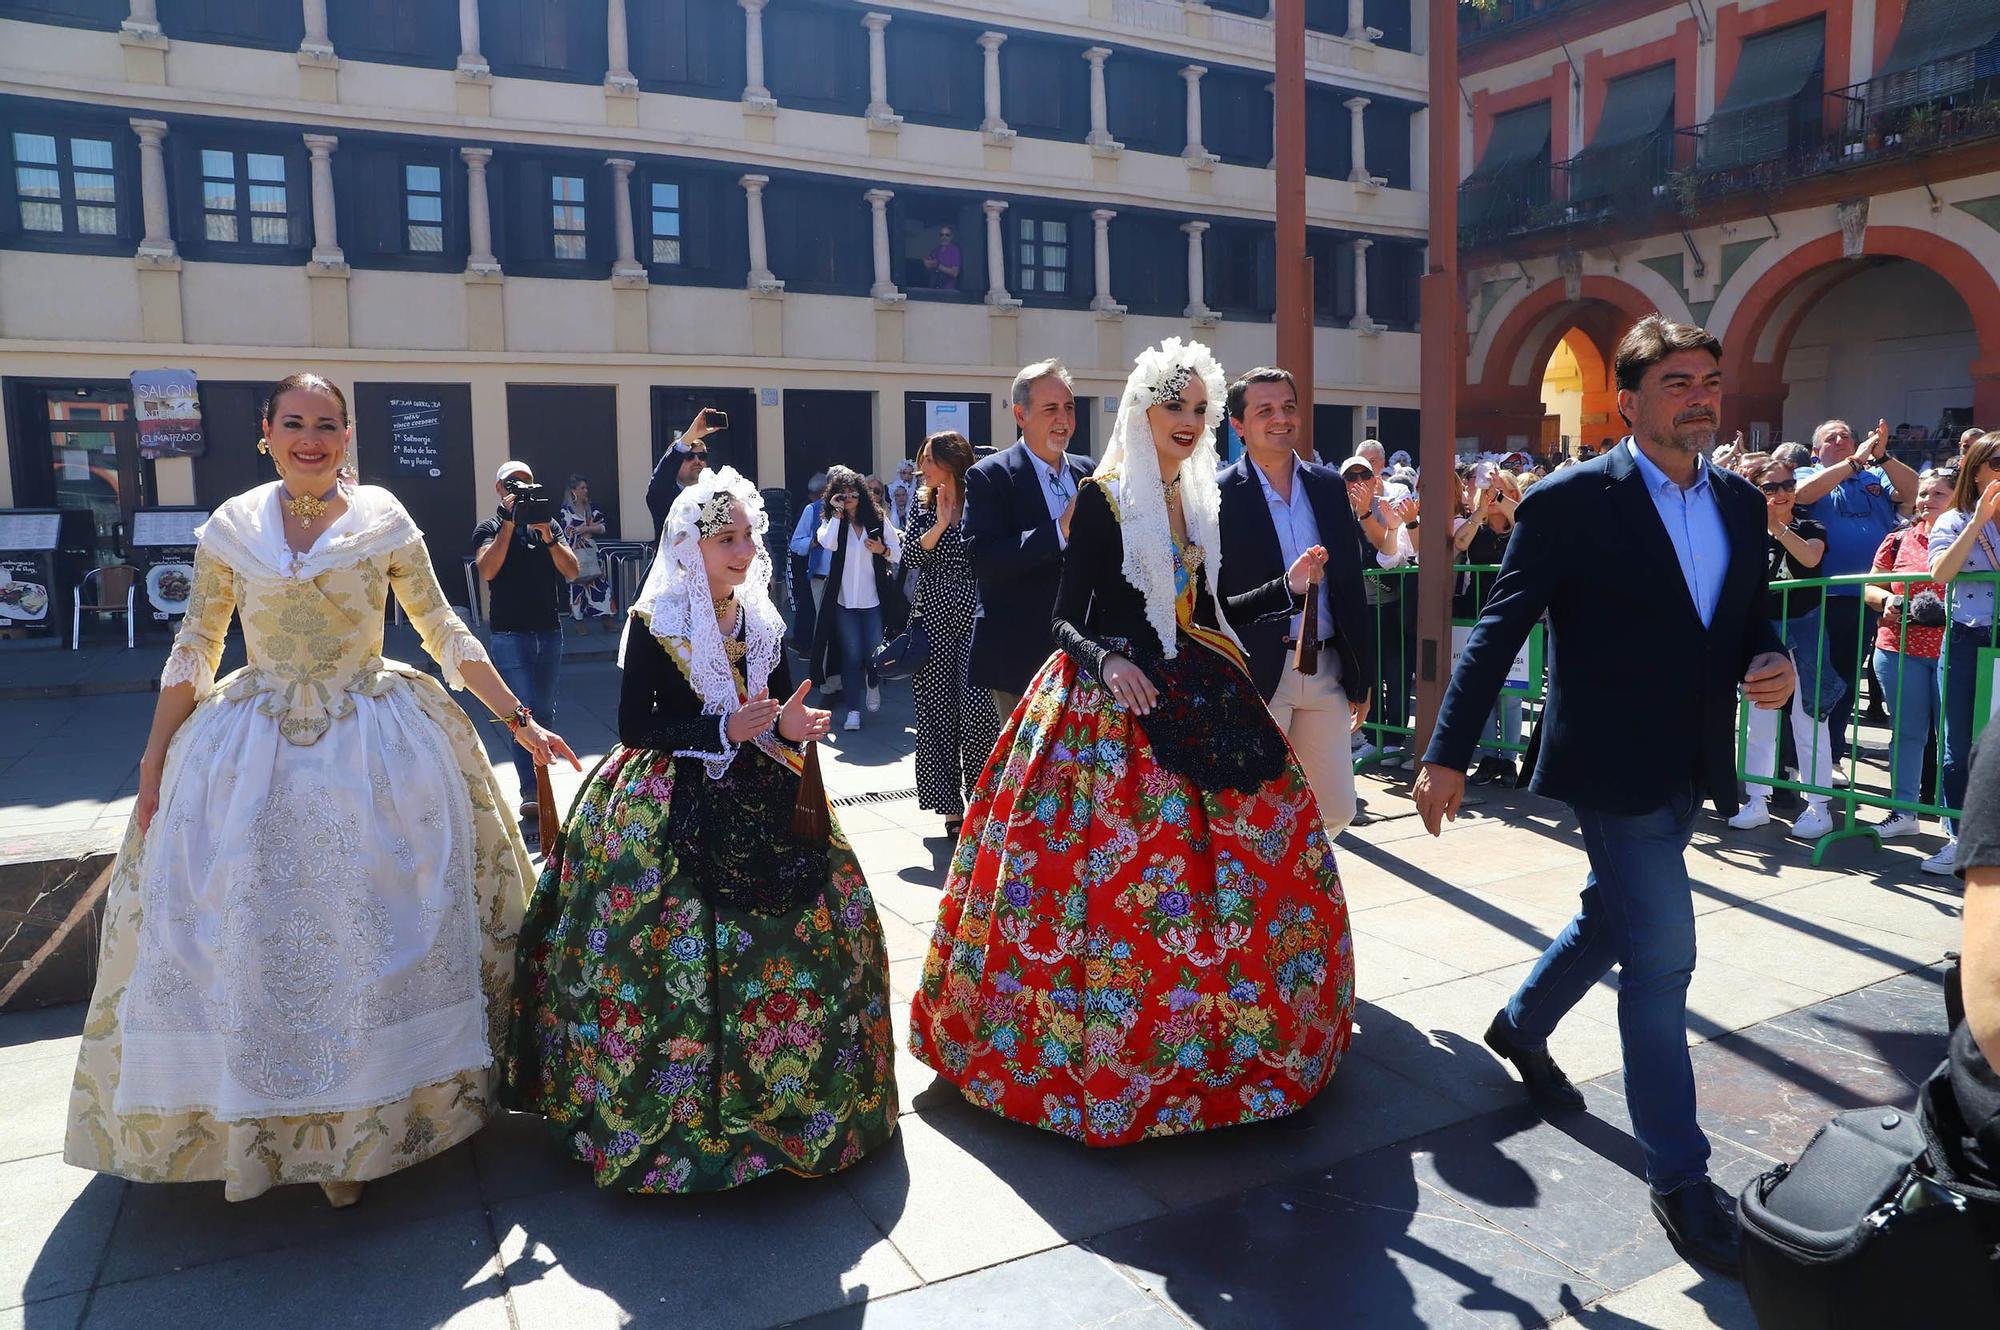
(264, 447)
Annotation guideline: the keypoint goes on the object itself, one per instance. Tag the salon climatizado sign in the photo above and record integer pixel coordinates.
(168, 405)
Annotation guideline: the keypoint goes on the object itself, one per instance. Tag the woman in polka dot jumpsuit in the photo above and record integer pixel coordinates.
(956, 723)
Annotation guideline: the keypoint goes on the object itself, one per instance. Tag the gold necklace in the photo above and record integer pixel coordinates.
(309, 508)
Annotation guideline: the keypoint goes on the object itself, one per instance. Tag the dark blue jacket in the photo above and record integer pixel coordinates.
(1252, 556)
(1017, 558)
(1641, 698)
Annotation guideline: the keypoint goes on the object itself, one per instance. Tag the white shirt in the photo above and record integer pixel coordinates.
(857, 575)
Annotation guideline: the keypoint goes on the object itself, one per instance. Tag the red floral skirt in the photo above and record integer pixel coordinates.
(1120, 954)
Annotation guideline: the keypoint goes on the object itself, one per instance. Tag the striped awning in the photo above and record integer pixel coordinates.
(1944, 47)
(1518, 137)
(1753, 121)
(1636, 107)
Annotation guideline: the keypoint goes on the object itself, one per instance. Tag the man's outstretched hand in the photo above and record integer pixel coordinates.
(1439, 792)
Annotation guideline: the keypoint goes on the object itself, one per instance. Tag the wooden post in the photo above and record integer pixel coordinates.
(1295, 295)
(1443, 360)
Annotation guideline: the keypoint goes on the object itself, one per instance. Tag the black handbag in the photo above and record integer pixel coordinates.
(903, 655)
(1861, 1232)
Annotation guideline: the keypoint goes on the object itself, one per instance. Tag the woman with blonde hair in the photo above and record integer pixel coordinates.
(1143, 932)
(956, 722)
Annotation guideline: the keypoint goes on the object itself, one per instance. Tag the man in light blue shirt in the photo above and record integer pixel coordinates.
(810, 564)
(1694, 525)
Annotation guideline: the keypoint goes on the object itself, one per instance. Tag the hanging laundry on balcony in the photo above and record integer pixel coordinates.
(1775, 103)
(1632, 151)
(1513, 174)
(1943, 49)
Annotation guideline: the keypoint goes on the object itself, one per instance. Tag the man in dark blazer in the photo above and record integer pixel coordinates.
(1650, 565)
(1017, 509)
(1275, 506)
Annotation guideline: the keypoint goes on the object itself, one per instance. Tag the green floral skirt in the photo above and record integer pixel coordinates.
(683, 1027)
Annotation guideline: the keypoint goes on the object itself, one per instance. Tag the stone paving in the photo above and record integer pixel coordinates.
(1417, 1191)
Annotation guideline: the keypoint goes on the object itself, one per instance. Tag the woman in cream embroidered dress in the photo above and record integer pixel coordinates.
(309, 938)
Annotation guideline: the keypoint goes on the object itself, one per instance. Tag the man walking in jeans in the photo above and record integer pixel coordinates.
(526, 569)
(1649, 563)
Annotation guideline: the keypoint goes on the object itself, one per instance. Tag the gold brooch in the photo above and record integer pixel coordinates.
(306, 507)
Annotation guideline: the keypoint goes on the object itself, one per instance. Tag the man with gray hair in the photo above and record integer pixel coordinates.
(1017, 509)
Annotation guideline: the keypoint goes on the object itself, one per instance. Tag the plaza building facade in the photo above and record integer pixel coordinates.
(1816, 181)
(553, 229)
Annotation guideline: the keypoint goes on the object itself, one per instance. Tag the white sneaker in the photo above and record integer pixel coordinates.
(874, 697)
(1945, 861)
(1753, 814)
(1815, 822)
(1839, 779)
(1366, 751)
(831, 685)
(1901, 824)
(1409, 762)
(853, 721)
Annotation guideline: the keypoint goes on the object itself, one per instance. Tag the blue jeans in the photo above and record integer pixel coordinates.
(1638, 913)
(1503, 726)
(860, 632)
(1821, 684)
(1959, 688)
(1910, 690)
(530, 663)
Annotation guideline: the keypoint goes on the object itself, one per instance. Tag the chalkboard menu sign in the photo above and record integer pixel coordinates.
(162, 548)
(416, 434)
(28, 582)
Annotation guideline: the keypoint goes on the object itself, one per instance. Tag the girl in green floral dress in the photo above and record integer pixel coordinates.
(702, 994)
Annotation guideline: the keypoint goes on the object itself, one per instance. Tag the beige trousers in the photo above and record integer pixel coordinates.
(1313, 712)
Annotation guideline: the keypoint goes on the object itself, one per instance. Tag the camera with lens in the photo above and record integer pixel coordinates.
(533, 504)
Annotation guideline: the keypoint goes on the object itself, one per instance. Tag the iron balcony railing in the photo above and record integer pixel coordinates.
(1478, 21)
(1947, 104)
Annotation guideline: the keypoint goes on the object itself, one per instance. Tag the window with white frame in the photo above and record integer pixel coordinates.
(423, 208)
(1042, 253)
(245, 198)
(666, 223)
(66, 185)
(567, 237)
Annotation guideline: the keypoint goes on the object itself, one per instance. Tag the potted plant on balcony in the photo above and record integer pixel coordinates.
(1686, 189)
(1921, 129)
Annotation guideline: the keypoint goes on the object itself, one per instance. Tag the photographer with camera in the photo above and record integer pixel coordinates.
(527, 566)
(682, 464)
(1906, 658)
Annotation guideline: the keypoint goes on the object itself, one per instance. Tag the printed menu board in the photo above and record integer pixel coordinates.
(416, 427)
(162, 548)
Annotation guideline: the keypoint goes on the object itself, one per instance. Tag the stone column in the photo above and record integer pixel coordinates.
(478, 213)
(1357, 141)
(993, 126)
(761, 277)
(470, 61)
(1361, 322)
(326, 235)
(627, 265)
(317, 44)
(1357, 22)
(880, 113)
(996, 257)
(1101, 253)
(142, 19)
(158, 244)
(1197, 306)
(1195, 154)
(1100, 132)
(878, 223)
(754, 91)
(618, 48)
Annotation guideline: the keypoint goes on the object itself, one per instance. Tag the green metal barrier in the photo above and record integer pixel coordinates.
(1390, 726)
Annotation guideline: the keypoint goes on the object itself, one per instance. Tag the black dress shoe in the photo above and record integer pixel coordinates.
(1700, 1220)
(1544, 1081)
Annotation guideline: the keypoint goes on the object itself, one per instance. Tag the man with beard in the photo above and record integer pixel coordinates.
(1649, 563)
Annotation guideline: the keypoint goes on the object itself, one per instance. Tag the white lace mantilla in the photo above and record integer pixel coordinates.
(675, 603)
(1131, 470)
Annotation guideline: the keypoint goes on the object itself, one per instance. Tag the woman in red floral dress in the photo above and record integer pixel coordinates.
(1143, 932)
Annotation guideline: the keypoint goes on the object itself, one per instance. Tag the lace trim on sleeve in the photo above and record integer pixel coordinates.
(459, 649)
(186, 665)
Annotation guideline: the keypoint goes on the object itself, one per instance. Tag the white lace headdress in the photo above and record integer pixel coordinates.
(676, 604)
(1132, 466)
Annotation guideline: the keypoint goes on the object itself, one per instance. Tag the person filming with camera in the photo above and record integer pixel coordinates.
(526, 565)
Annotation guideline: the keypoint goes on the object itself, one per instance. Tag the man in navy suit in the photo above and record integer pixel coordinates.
(1017, 509)
(1276, 506)
(1650, 565)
